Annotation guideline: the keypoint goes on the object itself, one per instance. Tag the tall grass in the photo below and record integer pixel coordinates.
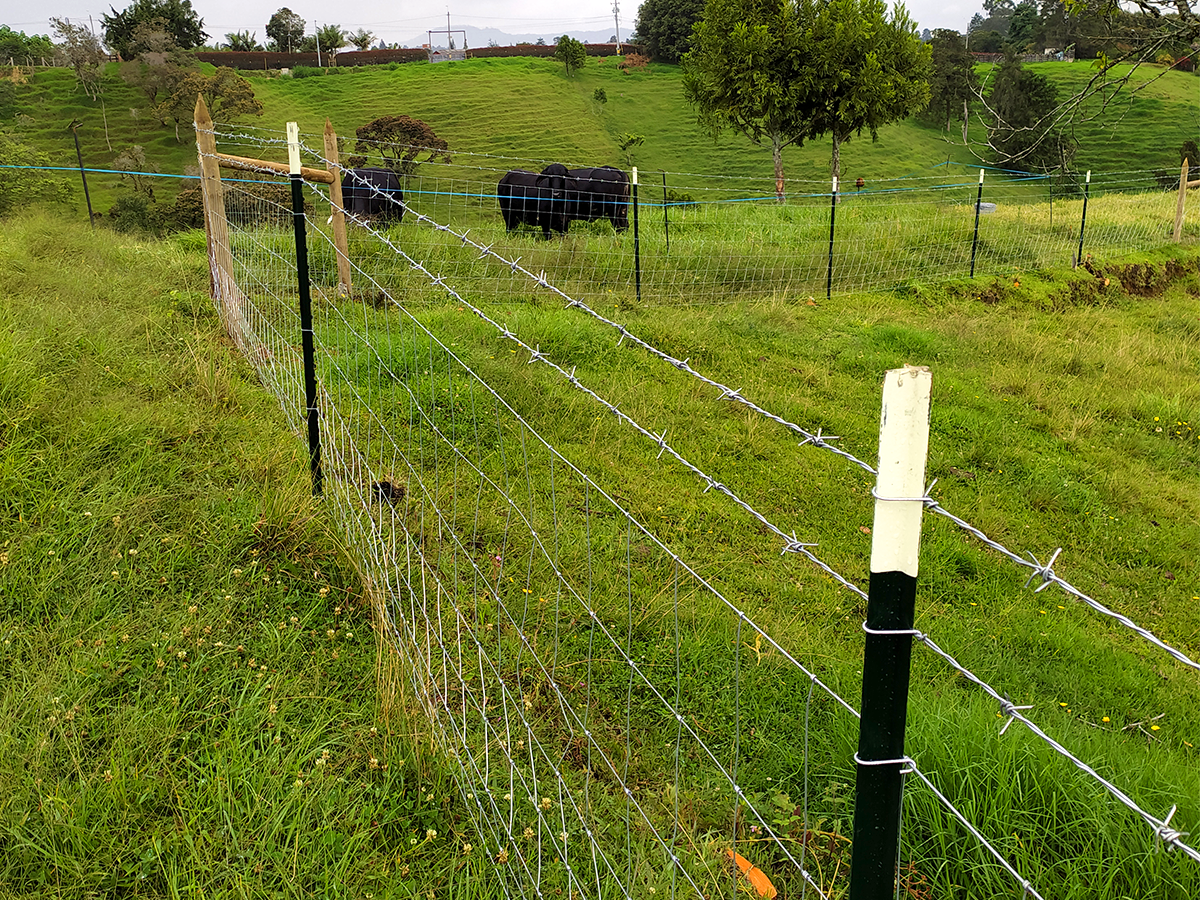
(189, 664)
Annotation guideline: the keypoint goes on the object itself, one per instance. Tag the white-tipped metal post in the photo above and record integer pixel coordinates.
(306, 322)
(891, 606)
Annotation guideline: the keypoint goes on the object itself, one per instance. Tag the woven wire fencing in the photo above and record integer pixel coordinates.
(589, 681)
(708, 240)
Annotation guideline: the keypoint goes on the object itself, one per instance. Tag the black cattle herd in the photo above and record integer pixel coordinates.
(549, 200)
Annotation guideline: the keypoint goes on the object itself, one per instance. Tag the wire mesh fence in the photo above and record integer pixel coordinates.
(708, 240)
(587, 683)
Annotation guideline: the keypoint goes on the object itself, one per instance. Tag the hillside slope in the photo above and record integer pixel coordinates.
(529, 109)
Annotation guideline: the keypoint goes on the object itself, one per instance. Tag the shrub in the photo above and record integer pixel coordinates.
(306, 72)
(599, 95)
(634, 61)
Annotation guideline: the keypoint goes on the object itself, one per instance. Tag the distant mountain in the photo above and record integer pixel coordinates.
(479, 37)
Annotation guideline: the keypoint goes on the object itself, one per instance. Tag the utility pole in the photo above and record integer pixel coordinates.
(317, 32)
(617, 24)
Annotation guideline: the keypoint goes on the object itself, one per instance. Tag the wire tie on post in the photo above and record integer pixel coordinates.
(892, 632)
(925, 498)
(902, 761)
(1010, 710)
(1044, 572)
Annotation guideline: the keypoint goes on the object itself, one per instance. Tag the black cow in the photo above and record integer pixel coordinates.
(603, 194)
(372, 193)
(546, 200)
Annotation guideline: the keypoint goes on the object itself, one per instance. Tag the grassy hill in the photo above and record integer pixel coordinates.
(529, 108)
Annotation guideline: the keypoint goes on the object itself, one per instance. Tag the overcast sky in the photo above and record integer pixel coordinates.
(394, 22)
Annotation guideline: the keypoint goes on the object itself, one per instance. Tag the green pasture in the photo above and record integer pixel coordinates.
(529, 109)
(1063, 417)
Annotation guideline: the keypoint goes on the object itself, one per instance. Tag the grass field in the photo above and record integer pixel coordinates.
(187, 637)
(1049, 402)
(191, 703)
(528, 108)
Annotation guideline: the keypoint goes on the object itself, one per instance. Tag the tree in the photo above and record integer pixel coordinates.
(1024, 25)
(243, 41)
(27, 178)
(84, 54)
(1023, 132)
(16, 45)
(400, 140)
(743, 74)
(229, 96)
(866, 70)
(180, 20)
(136, 169)
(330, 39)
(361, 39)
(953, 81)
(570, 52)
(664, 27)
(286, 30)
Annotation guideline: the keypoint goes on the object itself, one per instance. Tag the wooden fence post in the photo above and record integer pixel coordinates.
(1179, 204)
(340, 242)
(216, 227)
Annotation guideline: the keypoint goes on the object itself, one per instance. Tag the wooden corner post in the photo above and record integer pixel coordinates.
(1181, 202)
(216, 228)
(339, 217)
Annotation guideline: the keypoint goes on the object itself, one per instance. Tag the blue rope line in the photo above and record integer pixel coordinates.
(126, 172)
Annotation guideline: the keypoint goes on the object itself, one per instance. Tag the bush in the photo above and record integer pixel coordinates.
(306, 71)
(599, 95)
(132, 213)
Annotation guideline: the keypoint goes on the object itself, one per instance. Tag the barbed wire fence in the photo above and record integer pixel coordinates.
(530, 607)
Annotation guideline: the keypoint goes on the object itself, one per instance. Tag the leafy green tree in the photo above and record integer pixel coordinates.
(330, 39)
(24, 183)
(664, 27)
(181, 21)
(285, 30)
(571, 53)
(1024, 26)
(743, 73)
(953, 81)
(361, 39)
(228, 95)
(866, 69)
(400, 140)
(244, 41)
(17, 45)
(1023, 131)
(84, 54)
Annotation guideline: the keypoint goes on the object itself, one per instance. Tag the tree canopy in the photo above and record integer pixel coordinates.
(285, 30)
(330, 39)
(400, 140)
(242, 40)
(664, 27)
(953, 82)
(228, 95)
(17, 45)
(84, 54)
(180, 20)
(570, 52)
(787, 71)
(1023, 132)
